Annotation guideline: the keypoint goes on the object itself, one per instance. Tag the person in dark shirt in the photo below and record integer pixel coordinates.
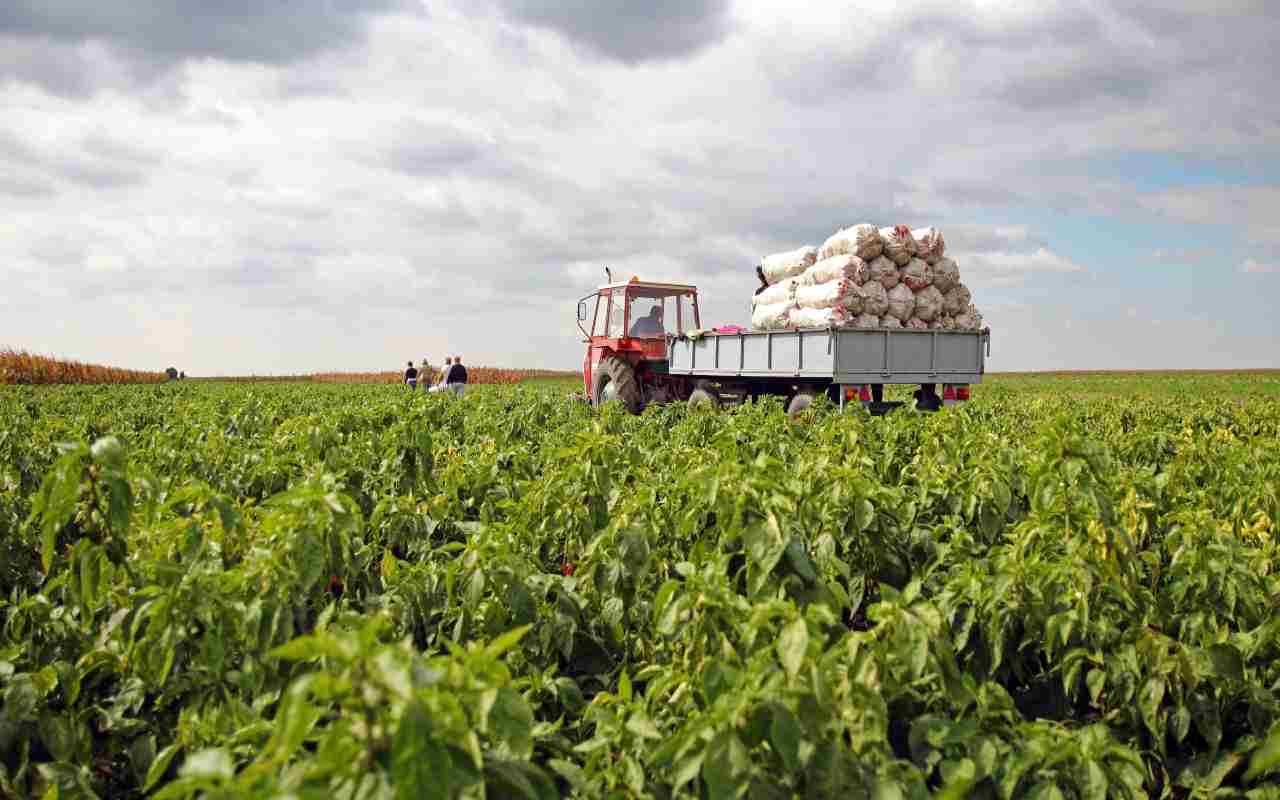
(457, 380)
(411, 377)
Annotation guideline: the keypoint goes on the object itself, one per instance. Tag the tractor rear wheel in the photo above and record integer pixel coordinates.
(614, 379)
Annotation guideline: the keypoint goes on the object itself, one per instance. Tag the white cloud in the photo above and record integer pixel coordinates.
(391, 182)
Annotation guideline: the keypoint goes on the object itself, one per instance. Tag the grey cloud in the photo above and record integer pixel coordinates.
(99, 161)
(627, 31)
(424, 150)
(25, 188)
(238, 30)
(47, 39)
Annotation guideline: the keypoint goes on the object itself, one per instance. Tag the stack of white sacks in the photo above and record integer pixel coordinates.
(866, 277)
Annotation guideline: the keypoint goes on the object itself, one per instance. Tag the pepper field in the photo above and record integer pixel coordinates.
(1065, 588)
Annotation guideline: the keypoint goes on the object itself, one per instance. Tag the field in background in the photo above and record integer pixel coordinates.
(21, 367)
(18, 367)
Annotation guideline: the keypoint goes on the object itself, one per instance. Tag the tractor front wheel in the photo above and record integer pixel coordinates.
(614, 379)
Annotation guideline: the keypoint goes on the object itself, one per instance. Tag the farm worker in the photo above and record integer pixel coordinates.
(444, 375)
(424, 373)
(457, 380)
(649, 326)
(411, 377)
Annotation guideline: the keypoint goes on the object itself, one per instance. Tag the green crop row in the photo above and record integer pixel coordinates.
(347, 592)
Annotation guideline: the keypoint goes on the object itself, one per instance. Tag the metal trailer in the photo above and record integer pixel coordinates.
(803, 363)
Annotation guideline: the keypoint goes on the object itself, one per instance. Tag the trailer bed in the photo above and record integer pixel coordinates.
(838, 355)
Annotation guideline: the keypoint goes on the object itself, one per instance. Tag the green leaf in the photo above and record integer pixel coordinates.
(421, 764)
(506, 641)
(642, 726)
(726, 768)
(1204, 713)
(1096, 680)
(1266, 758)
(1149, 700)
(1180, 723)
(305, 648)
(160, 766)
(511, 722)
(1226, 662)
(56, 502)
(571, 772)
(785, 736)
(792, 646)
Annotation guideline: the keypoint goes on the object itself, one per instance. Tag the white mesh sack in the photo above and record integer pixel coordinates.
(902, 302)
(929, 244)
(899, 244)
(916, 275)
(946, 274)
(884, 271)
(862, 241)
(771, 317)
(841, 267)
(780, 266)
(875, 300)
(777, 293)
(936, 325)
(969, 319)
(834, 317)
(890, 322)
(917, 324)
(928, 304)
(948, 323)
(956, 300)
(866, 321)
(829, 295)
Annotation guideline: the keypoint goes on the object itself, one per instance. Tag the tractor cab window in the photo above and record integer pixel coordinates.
(615, 314)
(687, 319)
(651, 317)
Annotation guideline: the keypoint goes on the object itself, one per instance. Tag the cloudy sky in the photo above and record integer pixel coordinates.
(308, 185)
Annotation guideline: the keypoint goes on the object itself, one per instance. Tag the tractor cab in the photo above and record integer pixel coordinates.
(627, 325)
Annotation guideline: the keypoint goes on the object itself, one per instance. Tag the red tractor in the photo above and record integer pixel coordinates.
(627, 341)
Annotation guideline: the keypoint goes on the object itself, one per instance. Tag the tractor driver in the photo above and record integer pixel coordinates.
(650, 326)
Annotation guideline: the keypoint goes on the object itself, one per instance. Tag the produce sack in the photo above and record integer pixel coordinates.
(866, 321)
(884, 271)
(862, 241)
(916, 275)
(946, 274)
(829, 295)
(835, 317)
(777, 293)
(902, 303)
(899, 245)
(929, 244)
(890, 322)
(969, 320)
(936, 325)
(771, 317)
(917, 324)
(780, 266)
(928, 304)
(957, 300)
(842, 267)
(875, 300)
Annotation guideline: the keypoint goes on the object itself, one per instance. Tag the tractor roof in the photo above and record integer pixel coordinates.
(659, 285)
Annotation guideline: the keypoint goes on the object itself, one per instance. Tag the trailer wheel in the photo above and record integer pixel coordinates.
(614, 379)
(704, 397)
(799, 403)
